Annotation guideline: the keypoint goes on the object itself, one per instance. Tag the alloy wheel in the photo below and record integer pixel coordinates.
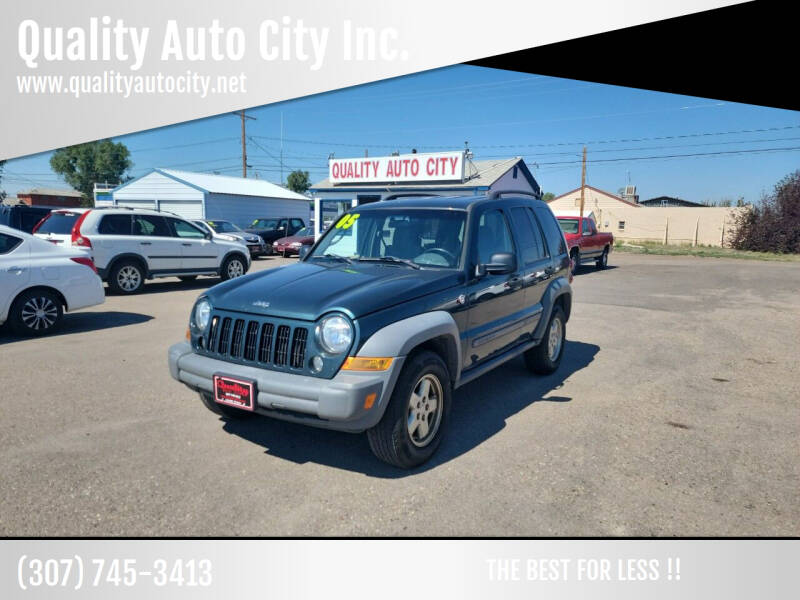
(39, 313)
(425, 410)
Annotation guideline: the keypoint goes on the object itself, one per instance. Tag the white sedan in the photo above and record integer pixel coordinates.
(40, 281)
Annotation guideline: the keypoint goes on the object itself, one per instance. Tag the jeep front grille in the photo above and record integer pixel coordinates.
(258, 341)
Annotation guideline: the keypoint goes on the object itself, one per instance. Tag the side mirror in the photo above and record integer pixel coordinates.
(303, 252)
(500, 264)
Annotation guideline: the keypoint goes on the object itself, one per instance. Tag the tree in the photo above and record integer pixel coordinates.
(547, 196)
(85, 164)
(774, 224)
(298, 181)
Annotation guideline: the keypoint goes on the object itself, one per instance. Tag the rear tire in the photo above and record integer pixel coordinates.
(126, 277)
(602, 262)
(233, 266)
(35, 313)
(417, 414)
(575, 255)
(545, 358)
(224, 411)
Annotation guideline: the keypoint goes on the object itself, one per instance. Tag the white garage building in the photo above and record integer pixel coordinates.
(204, 196)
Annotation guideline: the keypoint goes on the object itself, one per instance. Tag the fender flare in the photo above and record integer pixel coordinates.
(123, 256)
(401, 337)
(557, 288)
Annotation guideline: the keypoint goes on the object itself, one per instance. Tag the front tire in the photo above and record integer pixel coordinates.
(417, 414)
(233, 267)
(126, 277)
(35, 313)
(224, 411)
(546, 357)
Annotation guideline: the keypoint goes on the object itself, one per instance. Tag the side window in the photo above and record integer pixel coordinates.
(8, 243)
(186, 230)
(530, 238)
(552, 232)
(588, 227)
(297, 225)
(115, 225)
(282, 224)
(493, 235)
(150, 225)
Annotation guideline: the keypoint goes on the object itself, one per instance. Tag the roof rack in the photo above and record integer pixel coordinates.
(498, 193)
(408, 195)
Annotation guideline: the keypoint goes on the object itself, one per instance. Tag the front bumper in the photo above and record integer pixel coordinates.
(336, 403)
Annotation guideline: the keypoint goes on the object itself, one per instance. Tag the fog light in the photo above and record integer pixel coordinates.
(317, 364)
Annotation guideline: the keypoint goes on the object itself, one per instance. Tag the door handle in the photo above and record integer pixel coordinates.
(16, 270)
(186, 244)
(146, 243)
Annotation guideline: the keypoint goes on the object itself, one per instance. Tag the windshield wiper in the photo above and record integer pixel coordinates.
(334, 257)
(389, 259)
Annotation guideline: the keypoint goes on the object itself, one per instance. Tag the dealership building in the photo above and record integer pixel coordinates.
(355, 181)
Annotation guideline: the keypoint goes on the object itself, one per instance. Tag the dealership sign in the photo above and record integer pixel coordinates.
(439, 166)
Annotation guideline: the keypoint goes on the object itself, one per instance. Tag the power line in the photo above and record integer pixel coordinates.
(667, 156)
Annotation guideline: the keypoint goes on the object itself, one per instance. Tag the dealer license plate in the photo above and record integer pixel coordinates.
(232, 391)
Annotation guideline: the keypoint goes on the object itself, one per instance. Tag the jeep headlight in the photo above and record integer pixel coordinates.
(202, 313)
(335, 334)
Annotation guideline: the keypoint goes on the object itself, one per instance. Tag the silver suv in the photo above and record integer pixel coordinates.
(131, 245)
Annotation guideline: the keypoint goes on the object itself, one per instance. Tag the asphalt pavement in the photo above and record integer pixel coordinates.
(674, 413)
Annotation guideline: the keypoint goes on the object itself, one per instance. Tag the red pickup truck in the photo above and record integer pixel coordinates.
(585, 242)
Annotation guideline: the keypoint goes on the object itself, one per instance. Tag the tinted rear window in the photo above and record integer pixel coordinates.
(8, 243)
(115, 225)
(58, 223)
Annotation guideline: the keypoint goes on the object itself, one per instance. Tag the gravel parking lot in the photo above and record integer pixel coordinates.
(675, 412)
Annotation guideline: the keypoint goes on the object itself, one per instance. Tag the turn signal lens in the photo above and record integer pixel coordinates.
(370, 400)
(188, 335)
(360, 363)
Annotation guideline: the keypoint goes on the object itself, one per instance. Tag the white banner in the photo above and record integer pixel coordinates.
(75, 72)
(438, 166)
(400, 569)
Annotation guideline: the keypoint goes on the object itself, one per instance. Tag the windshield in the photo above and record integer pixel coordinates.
(59, 223)
(568, 225)
(305, 232)
(426, 237)
(223, 226)
(265, 224)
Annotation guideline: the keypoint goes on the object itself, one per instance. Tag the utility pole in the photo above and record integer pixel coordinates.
(281, 147)
(583, 179)
(244, 142)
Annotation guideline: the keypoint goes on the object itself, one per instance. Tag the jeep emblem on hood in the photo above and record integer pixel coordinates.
(261, 303)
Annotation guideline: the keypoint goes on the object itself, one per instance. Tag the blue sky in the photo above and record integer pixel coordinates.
(500, 113)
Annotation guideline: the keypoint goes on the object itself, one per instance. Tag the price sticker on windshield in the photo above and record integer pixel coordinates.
(347, 221)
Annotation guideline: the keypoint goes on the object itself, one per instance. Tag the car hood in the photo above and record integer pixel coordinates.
(307, 290)
(303, 239)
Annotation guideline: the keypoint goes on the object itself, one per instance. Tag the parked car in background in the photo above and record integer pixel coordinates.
(23, 217)
(398, 304)
(254, 243)
(289, 246)
(272, 229)
(40, 281)
(131, 245)
(56, 226)
(585, 242)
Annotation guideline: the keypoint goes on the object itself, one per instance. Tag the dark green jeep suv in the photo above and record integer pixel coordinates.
(398, 303)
